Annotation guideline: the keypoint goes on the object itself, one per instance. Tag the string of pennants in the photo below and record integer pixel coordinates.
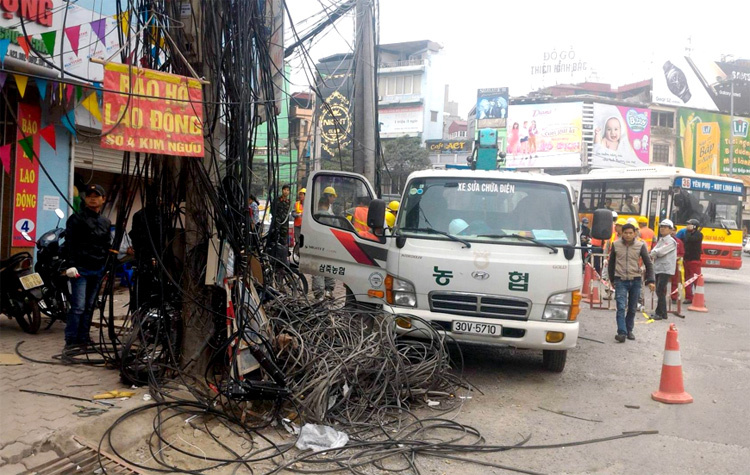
(73, 34)
(63, 91)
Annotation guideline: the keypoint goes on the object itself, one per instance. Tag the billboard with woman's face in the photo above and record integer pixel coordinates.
(621, 136)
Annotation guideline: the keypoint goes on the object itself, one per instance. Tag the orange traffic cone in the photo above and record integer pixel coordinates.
(699, 298)
(671, 389)
(586, 288)
(594, 297)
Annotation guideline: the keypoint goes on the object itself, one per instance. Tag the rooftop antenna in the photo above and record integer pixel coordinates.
(689, 46)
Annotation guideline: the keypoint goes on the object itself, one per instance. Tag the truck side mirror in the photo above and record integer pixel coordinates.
(601, 228)
(376, 214)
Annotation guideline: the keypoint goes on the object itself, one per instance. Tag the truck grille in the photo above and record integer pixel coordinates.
(480, 305)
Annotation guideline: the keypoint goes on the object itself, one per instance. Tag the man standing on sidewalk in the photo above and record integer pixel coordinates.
(664, 256)
(87, 243)
(693, 240)
(625, 274)
(677, 277)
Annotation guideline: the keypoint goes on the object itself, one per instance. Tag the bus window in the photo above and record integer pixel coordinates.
(712, 209)
(623, 196)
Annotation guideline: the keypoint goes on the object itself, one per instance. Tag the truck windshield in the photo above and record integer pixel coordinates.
(711, 208)
(481, 210)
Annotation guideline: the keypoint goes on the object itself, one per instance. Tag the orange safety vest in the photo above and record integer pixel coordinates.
(359, 221)
(298, 208)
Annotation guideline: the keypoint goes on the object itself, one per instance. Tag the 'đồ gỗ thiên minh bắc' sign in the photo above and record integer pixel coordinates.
(151, 112)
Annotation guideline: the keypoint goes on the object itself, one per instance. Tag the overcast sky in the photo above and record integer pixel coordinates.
(492, 43)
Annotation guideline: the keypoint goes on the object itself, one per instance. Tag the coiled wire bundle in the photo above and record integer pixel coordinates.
(344, 365)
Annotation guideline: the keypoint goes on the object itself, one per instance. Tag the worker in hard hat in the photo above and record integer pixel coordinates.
(324, 286)
(299, 207)
(618, 228)
(359, 218)
(391, 213)
(647, 234)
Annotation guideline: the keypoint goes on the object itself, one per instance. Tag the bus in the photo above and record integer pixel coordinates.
(679, 194)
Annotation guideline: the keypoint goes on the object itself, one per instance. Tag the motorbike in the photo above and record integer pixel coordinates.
(21, 291)
(55, 301)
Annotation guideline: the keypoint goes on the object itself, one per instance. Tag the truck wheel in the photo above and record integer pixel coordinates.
(554, 360)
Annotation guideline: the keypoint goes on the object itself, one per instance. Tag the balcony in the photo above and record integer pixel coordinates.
(402, 66)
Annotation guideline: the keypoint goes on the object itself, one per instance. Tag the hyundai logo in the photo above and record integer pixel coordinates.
(480, 275)
(712, 252)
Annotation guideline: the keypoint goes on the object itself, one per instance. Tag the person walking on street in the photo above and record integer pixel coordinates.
(324, 286)
(693, 240)
(677, 277)
(625, 274)
(299, 207)
(87, 244)
(278, 241)
(664, 255)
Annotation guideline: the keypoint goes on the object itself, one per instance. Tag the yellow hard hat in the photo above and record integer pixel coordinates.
(642, 219)
(621, 221)
(331, 191)
(393, 205)
(303, 190)
(390, 219)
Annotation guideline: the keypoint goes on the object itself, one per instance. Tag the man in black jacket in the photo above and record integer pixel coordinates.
(87, 243)
(693, 240)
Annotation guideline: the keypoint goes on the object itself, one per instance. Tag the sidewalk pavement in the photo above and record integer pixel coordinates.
(31, 424)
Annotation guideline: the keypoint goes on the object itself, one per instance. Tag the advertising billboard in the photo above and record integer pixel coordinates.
(492, 108)
(26, 186)
(334, 111)
(400, 121)
(704, 141)
(621, 136)
(702, 84)
(544, 135)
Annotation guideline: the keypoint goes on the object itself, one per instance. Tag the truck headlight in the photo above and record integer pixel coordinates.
(736, 253)
(563, 306)
(400, 292)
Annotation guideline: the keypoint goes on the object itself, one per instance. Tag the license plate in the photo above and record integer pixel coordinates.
(477, 328)
(31, 281)
(710, 262)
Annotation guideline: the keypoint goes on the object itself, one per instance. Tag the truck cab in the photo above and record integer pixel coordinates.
(486, 256)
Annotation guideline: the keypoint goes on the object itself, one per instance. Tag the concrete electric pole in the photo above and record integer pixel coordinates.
(364, 143)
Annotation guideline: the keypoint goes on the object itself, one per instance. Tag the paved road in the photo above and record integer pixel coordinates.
(708, 436)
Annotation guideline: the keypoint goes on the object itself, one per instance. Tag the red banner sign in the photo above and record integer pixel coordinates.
(151, 112)
(26, 187)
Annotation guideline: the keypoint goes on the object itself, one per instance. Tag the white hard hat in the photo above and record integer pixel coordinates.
(666, 222)
(614, 214)
(632, 221)
(457, 225)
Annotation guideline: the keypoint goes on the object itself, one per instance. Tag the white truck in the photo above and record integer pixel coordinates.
(487, 256)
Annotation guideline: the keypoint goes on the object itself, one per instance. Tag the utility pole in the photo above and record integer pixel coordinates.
(364, 144)
(731, 127)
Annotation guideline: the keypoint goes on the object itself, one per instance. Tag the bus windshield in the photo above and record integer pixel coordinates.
(711, 208)
(482, 210)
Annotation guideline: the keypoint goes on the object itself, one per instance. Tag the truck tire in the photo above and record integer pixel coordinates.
(554, 360)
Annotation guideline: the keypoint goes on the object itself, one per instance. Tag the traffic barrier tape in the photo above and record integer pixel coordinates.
(688, 282)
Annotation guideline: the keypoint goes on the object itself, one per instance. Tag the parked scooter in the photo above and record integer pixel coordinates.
(51, 266)
(21, 291)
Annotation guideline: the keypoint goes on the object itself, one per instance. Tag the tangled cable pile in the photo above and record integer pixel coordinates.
(345, 366)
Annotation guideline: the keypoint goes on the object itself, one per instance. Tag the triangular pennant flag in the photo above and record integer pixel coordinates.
(98, 87)
(4, 49)
(69, 88)
(92, 105)
(23, 42)
(27, 144)
(69, 121)
(5, 157)
(124, 19)
(99, 27)
(3, 77)
(79, 93)
(74, 35)
(48, 134)
(49, 41)
(21, 82)
(41, 84)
